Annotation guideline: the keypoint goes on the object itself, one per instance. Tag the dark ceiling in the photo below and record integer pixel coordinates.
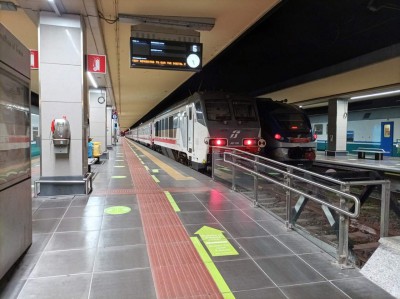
(297, 40)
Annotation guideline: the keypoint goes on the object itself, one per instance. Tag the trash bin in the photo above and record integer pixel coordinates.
(96, 149)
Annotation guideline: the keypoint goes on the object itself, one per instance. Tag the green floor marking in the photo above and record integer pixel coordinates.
(118, 177)
(212, 269)
(148, 169)
(119, 160)
(155, 170)
(117, 210)
(172, 201)
(142, 162)
(154, 178)
(119, 166)
(216, 242)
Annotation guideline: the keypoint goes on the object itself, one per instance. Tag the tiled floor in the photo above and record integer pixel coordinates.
(79, 251)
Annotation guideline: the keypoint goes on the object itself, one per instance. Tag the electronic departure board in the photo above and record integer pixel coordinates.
(169, 55)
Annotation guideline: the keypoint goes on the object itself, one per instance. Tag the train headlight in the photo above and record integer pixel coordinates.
(218, 142)
(249, 142)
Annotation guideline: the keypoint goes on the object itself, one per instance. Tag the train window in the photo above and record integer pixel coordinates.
(244, 111)
(190, 113)
(199, 113)
(171, 127)
(292, 121)
(218, 110)
(156, 129)
(175, 124)
(319, 129)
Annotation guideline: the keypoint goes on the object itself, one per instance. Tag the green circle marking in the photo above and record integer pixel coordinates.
(117, 210)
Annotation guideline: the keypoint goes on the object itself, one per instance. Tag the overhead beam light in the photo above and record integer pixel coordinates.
(195, 23)
(54, 6)
(92, 79)
(378, 94)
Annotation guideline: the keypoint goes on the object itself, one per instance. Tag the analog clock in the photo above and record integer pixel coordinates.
(193, 60)
(101, 100)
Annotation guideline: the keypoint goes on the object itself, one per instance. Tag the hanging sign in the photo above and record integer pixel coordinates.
(34, 59)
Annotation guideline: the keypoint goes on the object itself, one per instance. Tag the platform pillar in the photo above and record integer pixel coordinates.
(337, 127)
(98, 118)
(63, 93)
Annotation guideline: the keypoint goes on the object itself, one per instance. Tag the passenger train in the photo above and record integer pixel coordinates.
(375, 128)
(287, 132)
(187, 131)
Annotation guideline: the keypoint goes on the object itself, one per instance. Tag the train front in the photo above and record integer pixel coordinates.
(232, 122)
(288, 134)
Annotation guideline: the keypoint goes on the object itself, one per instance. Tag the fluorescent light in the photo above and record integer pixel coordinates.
(376, 94)
(53, 5)
(92, 79)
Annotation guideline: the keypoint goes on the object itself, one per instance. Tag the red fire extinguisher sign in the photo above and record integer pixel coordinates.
(96, 63)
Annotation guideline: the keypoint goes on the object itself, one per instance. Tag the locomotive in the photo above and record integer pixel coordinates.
(188, 130)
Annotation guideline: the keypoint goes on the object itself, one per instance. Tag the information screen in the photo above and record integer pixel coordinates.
(169, 55)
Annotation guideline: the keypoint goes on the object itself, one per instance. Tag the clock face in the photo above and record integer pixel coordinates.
(193, 60)
(101, 100)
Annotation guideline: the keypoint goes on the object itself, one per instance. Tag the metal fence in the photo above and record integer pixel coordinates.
(318, 206)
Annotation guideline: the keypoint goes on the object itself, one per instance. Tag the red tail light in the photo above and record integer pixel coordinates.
(218, 142)
(278, 136)
(315, 136)
(294, 127)
(249, 141)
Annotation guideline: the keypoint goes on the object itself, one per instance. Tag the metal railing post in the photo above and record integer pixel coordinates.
(288, 182)
(234, 171)
(255, 202)
(385, 207)
(343, 246)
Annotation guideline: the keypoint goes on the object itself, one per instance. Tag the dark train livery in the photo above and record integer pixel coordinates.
(287, 132)
(187, 131)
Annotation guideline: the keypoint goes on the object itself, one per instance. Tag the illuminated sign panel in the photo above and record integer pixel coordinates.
(169, 55)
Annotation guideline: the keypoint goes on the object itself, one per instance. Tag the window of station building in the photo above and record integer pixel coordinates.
(199, 113)
(319, 129)
(290, 121)
(218, 110)
(350, 136)
(244, 111)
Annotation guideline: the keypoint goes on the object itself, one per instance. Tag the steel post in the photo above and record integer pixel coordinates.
(385, 207)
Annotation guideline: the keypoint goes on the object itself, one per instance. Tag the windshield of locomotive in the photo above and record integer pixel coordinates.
(14, 131)
(218, 110)
(244, 111)
(292, 121)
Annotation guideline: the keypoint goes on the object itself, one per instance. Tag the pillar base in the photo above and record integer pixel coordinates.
(335, 153)
(67, 185)
(104, 155)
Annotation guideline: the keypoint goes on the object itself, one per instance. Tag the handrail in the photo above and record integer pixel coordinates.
(341, 193)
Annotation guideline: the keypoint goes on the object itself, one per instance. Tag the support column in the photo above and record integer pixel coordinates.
(337, 127)
(98, 119)
(63, 94)
(109, 127)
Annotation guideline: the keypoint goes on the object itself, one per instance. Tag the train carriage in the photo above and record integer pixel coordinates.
(187, 131)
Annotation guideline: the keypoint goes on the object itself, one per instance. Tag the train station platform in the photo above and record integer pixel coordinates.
(153, 228)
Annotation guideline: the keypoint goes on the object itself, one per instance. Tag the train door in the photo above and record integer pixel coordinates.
(183, 126)
(190, 130)
(387, 137)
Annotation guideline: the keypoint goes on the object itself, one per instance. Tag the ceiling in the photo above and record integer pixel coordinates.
(295, 50)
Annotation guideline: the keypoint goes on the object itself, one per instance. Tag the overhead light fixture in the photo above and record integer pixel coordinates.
(194, 23)
(92, 79)
(378, 94)
(7, 5)
(54, 6)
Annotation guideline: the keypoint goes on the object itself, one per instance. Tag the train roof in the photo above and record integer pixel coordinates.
(278, 106)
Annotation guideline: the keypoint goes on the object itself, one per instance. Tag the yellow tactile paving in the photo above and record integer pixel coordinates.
(168, 169)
